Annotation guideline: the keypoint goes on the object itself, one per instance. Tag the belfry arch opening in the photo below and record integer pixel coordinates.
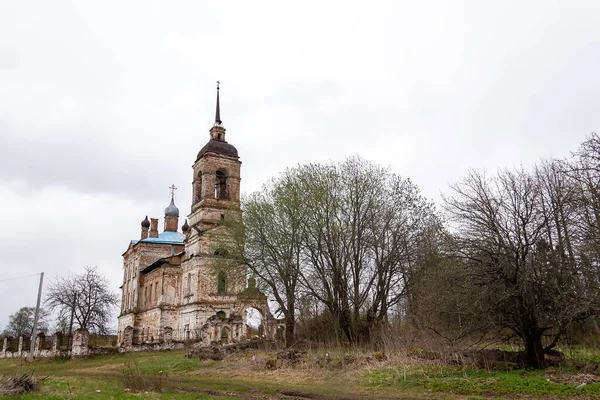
(221, 191)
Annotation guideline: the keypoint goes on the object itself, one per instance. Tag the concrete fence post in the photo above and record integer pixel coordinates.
(39, 344)
(4, 347)
(20, 350)
(81, 339)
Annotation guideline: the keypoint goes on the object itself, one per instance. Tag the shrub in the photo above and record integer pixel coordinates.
(142, 378)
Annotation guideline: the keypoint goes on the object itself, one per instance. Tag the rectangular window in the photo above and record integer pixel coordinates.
(189, 284)
(156, 291)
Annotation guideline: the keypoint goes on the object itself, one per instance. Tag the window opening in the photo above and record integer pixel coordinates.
(224, 334)
(198, 188)
(221, 283)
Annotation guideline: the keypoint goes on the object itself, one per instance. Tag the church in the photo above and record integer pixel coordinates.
(176, 284)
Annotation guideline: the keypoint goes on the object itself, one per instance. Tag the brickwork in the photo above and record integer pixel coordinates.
(171, 223)
(154, 227)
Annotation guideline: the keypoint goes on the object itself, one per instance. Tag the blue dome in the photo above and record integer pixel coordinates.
(172, 210)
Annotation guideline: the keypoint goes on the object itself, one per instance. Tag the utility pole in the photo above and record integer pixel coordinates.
(70, 337)
(33, 339)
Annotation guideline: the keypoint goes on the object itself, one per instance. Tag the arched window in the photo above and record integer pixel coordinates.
(189, 283)
(225, 334)
(222, 284)
(221, 314)
(198, 188)
(221, 185)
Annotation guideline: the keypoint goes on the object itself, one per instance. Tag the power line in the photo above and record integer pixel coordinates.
(18, 277)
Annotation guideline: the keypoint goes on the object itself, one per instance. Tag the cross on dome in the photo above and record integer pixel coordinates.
(173, 189)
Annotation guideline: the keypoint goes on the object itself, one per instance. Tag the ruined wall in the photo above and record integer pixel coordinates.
(124, 322)
(48, 347)
(147, 327)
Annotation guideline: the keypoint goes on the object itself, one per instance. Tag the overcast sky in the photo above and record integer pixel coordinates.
(103, 105)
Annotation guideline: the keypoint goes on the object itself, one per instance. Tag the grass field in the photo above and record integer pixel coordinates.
(169, 375)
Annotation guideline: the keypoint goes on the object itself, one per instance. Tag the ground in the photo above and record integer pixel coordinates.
(321, 376)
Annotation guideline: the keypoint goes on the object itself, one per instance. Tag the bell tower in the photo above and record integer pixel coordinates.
(216, 180)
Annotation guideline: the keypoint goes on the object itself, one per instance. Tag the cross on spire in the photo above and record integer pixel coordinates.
(173, 189)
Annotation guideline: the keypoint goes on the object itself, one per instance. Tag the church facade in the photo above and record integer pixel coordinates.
(177, 286)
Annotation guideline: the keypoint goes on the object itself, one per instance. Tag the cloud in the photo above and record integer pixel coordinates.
(101, 110)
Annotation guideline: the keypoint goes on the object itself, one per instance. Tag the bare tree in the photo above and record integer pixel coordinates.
(85, 299)
(584, 170)
(503, 227)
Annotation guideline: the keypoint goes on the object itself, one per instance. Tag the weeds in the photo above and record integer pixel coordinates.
(143, 378)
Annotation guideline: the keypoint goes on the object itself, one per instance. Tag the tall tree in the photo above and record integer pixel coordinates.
(347, 235)
(361, 240)
(269, 243)
(85, 298)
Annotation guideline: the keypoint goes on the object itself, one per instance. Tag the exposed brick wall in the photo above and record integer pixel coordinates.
(171, 223)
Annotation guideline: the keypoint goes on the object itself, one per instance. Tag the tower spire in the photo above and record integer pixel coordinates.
(218, 113)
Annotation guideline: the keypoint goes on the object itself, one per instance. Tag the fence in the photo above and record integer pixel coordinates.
(46, 342)
(102, 341)
(13, 344)
(81, 343)
(64, 342)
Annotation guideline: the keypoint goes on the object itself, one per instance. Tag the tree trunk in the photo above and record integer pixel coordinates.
(534, 351)
(289, 330)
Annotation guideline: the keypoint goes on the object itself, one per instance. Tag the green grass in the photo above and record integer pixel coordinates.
(101, 377)
(466, 381)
